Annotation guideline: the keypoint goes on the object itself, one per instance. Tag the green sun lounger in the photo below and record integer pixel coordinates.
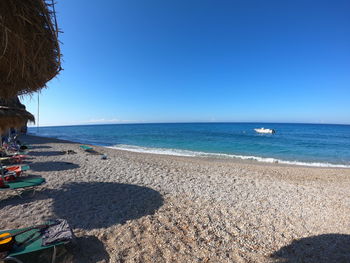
(29, 242)
(89, 149)
(23, 184)
(86, 148)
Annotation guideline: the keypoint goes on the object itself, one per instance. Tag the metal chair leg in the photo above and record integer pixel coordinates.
(19, 193)
(54, 254)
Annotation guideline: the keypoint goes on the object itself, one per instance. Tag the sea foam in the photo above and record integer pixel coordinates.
(188, 153)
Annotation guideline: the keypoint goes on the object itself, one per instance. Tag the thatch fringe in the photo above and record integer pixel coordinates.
(13, 114)
(14, 120)
(29, 48)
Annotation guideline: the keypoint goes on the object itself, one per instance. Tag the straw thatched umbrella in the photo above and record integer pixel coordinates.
(29, 47)
(13, 115)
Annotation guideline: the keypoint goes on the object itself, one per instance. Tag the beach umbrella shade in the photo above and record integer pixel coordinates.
(29, 48)
(13, 114)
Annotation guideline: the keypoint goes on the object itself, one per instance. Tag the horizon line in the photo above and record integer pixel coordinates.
(193, 122)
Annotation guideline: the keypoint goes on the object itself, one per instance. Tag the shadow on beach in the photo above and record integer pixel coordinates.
(94, 205)
(52, 166)
(32, 139)
(89, 249)
(98, 205)
(327, 248)
(39, 147)
(47, 153)
(84, 249)
(13, 199)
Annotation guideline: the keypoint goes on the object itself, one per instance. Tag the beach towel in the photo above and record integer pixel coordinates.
(59, 231)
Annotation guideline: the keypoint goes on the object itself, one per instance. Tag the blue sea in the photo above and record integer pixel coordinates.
(300, 144)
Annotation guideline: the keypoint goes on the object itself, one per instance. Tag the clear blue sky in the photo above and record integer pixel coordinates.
(198, 60)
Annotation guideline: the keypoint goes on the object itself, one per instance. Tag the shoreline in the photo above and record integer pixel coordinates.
(136, 207)
(216, 156)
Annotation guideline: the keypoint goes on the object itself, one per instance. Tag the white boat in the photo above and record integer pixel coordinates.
(263, 130)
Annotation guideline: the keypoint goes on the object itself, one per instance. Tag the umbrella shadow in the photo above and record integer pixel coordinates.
(52, 166)
(89, 249)
(92, 205)
(81, 250)
(39, 147)
(325, 248)
(98, 204)
(47, 153)
(23, 195)
(26, 195)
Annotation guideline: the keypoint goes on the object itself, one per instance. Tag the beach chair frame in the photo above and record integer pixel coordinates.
(19, 192)
(11, 257)
(21, 189)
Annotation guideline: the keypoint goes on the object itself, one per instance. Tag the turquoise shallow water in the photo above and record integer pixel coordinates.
(311, 144)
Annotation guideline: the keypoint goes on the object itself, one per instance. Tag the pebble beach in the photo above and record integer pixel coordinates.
(141, 207)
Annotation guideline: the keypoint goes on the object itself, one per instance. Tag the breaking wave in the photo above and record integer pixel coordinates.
(187, 153)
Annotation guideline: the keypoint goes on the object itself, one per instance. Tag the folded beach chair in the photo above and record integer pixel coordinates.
(33, 239)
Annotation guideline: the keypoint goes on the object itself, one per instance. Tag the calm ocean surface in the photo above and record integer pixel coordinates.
(311, 144)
